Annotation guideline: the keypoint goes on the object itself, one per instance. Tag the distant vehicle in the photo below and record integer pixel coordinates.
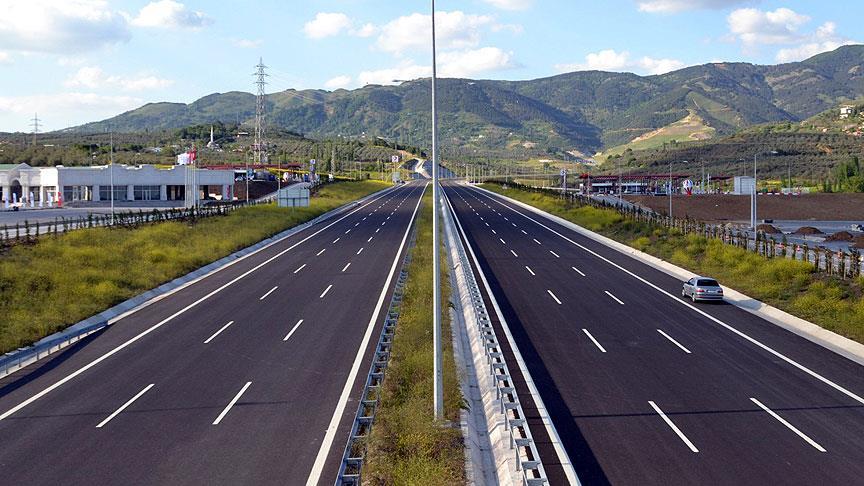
(702, 288)
(856, 227)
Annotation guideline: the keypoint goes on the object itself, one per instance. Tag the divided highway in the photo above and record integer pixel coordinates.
(643, 387)
(249, 376)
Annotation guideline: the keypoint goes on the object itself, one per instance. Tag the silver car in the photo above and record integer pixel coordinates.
(702, 288)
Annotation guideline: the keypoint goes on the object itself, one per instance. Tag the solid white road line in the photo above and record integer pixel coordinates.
(673, 427)
(789, 426)
(676, 343)
(514, 253)
(301, 267)
(180, 312)
(529, 270)
(268, 293)
(602, 349)
(554, 296)
(232, 403)
(615, 298)
(218, 332)
(124, 406)
(291, 332)
(360, 251)
(535, 241)
(699, 311)
(555, 254)
(346, 267)
(330, 435)
(320, 252)
(578, 271)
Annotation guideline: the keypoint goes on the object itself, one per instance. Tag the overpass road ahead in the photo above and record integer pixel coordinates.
(643, 387)
(249, 376)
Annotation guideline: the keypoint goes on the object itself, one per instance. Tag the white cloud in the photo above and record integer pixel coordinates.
(823, 40)
(93, 77)
(5, 58)
(469, 63)
(367, 30)
(611, 60)
(64, 109)
(455, 30)
(247, 43)
(511, 4)
(338, 82)
(390, 76)
(673, 6)
(327, 25)
(68, 26)
(752, 26)
(168, 14)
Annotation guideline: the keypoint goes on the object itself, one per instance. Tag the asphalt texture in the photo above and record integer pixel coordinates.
(646, 388)
(211, 403)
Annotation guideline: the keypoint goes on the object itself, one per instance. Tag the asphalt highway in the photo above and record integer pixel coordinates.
(643, 387)
(249, 376)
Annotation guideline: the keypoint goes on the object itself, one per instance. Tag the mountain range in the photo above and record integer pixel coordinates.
(580, 112)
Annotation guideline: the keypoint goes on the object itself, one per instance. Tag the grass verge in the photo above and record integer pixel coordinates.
(792, 286)
(406, 445)
(56, 282)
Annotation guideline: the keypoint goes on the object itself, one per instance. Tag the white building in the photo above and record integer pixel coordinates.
(846, 111)
(132, 184)
(743, 185)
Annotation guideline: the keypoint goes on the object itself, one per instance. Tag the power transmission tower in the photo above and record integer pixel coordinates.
(261, 82)
(35, 124)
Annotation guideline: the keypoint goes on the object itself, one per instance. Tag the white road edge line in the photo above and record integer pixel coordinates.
(673, 427)
(676, 343)
(692, 307)
(789, 426)
(596, 343)
(124, 406)
(268, 293)
(232, 403)
(173, 316)
(615, 298)
(555, 439)
(301, 267)
(291, 332)
(325, 291)
(330, 435)
(218, 332)
(578, 271)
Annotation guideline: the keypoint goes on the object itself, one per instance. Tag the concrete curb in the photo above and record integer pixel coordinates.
(843, 346)
(53, 343)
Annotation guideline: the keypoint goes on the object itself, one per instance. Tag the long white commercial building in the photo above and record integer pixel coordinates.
(142, 183)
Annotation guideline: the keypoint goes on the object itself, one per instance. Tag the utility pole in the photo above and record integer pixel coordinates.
(36, 125)
(670, 192)
(436, 258)
(258, 149)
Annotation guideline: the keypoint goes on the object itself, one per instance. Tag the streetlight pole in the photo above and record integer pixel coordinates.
(436, 258)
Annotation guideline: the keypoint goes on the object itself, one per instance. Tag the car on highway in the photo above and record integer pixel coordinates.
(702, 289)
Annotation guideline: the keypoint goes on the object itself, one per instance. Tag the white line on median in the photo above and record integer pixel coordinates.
(124, 406)
(291, 332)
(346, 266)
(218, 332)
(578, 271)
(325, 291)
(601, 348)
(616, 298)
(301, 267)
(789, 426)
(676, 343)
(268, 293)
(529, 270)
(673, 427)
(231, 403)
(554, 296)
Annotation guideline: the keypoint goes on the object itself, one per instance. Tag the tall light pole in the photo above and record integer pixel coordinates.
(436, 258)
(111, 176)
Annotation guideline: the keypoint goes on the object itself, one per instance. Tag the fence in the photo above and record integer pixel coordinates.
(842, 264)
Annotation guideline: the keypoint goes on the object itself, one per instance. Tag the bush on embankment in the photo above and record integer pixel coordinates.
(57, 281)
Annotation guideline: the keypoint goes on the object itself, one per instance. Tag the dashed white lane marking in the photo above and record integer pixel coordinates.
(514, 254)
(578, 271)
(346, 267)
(554, 296)
(291, 332)
(514, 225)
(494, 232)
(125, 406)
(613, 297)
(348, 231)
(364, 218)
(529, 270)
(207, 341)
(524, 232)
(487, 224)
(555, 254)
(268, 293)
(673, 427)
(502, 241)
(356, 224)
(320, 252)
(360, 251)
(301, 267)
(325, 291)
(676, 343)
(385, 222)
(370, 239)
(231, 403)
(596, 343)
(377, 230)
(789, 426)
(536, 241)
(336, 240)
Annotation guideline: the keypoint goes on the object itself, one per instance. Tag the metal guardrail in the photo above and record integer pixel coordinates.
(351, 469)
(521, 441)
(21, 357)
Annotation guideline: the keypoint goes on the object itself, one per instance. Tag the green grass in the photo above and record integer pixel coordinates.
(49, 285)
(407, 446)
(792, 286)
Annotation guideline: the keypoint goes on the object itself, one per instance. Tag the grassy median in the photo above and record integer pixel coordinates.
(790, 285)
(406, 445)
(58, 281)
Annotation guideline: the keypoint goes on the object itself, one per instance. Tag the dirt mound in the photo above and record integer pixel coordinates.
(808, 230)
(768, 229)
(840, 236)
(858, 242)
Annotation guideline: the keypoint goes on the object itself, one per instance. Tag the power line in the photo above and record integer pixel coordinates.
(261, 82)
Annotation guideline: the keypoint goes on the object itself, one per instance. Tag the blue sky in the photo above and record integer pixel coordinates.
(75, 61)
